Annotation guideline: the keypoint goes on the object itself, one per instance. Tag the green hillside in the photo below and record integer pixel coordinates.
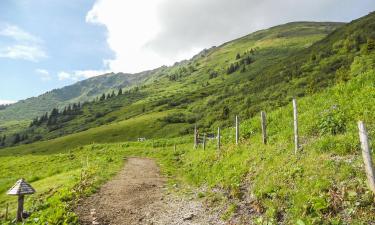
(80, 92)
(198, 90)
(329, 67)
(325, 183)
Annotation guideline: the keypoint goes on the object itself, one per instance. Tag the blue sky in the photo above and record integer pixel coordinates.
(40, 39)
(47, 44)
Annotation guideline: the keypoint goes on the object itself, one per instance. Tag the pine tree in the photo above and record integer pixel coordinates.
(54, 112)
(370, 44)
(16, 139)
(102, 98)
(225, 113)
(119, 91)
(2, 141)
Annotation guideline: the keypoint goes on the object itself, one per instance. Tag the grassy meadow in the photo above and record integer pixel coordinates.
(324, 183)
(328, 67)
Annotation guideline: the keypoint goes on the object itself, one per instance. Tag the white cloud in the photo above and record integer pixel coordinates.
(18, 34)
(23, 45)
(80, 74)
(65, 76)
(146, 34)
(6, 102)
(44, 74)
(30, 53)
(131, 25)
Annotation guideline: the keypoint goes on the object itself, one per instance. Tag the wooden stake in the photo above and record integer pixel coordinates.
(264, 127)
(295, 120)
(20, 208)
(237, 130)
(218, 138)
(204, 141)
(366, 154)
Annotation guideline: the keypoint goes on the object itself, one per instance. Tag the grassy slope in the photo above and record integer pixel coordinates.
(79, 92)
(324, 183)
(195, 93)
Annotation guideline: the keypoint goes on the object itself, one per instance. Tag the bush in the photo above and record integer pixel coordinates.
(332, 121)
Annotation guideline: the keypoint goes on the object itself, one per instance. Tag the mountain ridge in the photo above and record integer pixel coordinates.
(199, 81)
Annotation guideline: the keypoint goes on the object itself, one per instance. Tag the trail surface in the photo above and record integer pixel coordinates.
(137, 195)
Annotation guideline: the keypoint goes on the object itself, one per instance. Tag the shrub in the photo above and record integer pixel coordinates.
(332, 121)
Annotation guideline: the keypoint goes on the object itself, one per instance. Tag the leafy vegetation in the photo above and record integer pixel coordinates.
(199, 87)
(333, 79)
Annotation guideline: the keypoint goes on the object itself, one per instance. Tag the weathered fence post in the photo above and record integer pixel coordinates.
(366, 154)
(195, 136)
(204, 141)
(237, 130)
(295, 120)
(264, 126)
(218, 138)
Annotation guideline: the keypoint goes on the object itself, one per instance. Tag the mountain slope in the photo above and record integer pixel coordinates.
(324, 183)
(201, 89)
(79, 92)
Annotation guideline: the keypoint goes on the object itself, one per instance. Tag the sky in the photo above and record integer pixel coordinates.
(48, 44)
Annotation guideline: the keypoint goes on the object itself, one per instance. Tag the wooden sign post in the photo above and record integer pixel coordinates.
(366, 154)
(295, 122)
(21, 188)
(264, 127)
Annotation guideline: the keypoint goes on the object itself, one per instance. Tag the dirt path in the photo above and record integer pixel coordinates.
(137, 196)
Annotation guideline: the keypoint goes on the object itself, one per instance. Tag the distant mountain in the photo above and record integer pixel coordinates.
(79, 92)
(239, 77)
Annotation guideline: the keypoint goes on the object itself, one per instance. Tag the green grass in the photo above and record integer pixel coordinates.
(324, 183)
(334, 81)
(193, 92)
(9, 128)
(60, 178)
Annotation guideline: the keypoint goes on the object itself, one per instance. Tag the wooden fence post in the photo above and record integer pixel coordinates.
(366, 154)
(295, 120)
(264, 126)
(218, 138)
(195, 136)
(204, 141)
(237, 130)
